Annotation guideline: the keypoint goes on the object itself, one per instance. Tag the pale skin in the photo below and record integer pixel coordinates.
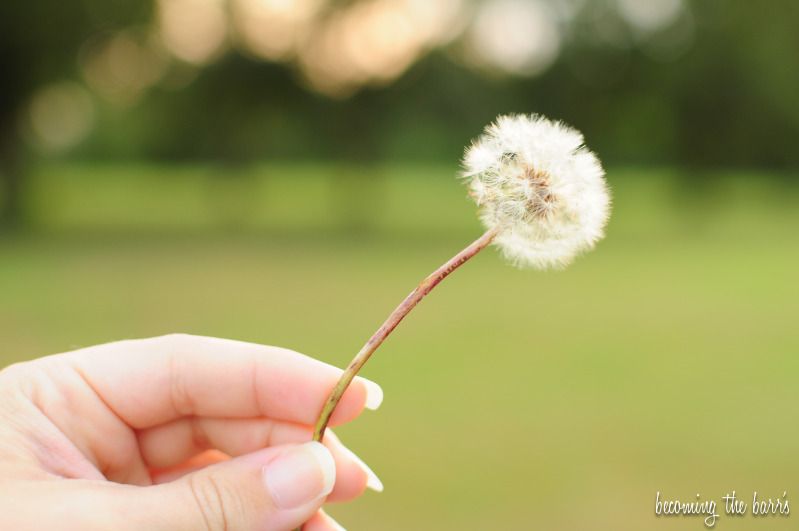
(175, 433)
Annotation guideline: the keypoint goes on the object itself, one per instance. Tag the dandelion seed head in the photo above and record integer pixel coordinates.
(539, 187)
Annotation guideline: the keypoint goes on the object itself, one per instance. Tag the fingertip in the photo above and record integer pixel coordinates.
(374, 394)
(372, 481)
(327, 464)
(300, 476)
(361, 394)
(322, 522)
(353, 475)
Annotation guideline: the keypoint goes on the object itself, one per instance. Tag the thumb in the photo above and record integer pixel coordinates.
(276, 489)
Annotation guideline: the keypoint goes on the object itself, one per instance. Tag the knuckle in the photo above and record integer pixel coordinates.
(214, 504)
(199, 437)
(179, 393)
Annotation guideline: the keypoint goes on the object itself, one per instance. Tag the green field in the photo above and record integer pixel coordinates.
(665, 360)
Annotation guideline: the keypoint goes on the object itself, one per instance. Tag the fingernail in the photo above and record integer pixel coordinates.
(374, 394)
(301, 475)
(332, 524)
(372, 481)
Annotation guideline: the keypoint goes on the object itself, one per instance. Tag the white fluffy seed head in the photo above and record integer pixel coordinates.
(539, 187)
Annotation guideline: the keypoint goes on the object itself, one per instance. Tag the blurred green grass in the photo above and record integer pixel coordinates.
(665, 360)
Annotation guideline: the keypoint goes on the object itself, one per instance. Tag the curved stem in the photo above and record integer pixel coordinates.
(391, 323)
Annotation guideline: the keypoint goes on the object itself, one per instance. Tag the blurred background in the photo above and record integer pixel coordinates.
(282, 171)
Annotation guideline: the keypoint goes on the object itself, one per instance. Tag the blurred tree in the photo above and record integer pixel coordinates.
(39, 44)
(713, 85)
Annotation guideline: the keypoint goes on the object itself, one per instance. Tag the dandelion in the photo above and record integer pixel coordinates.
(542, 197)
(539, 188)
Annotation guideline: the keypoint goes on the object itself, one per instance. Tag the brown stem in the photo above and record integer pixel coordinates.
(391, 323)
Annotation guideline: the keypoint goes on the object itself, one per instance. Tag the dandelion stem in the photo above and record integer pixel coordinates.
(391, 323)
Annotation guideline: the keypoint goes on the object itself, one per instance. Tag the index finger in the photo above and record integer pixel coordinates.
(147, 382)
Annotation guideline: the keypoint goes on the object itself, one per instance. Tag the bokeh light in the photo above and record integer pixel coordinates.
(650, 15)
(273, 29)
(514, 36)
(194, 31)
(121, 67)
(374, 42)
(60, 116)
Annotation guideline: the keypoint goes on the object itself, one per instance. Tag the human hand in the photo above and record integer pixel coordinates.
(175, 433)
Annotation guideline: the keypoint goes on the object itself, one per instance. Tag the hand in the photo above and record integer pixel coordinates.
(174, 433)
